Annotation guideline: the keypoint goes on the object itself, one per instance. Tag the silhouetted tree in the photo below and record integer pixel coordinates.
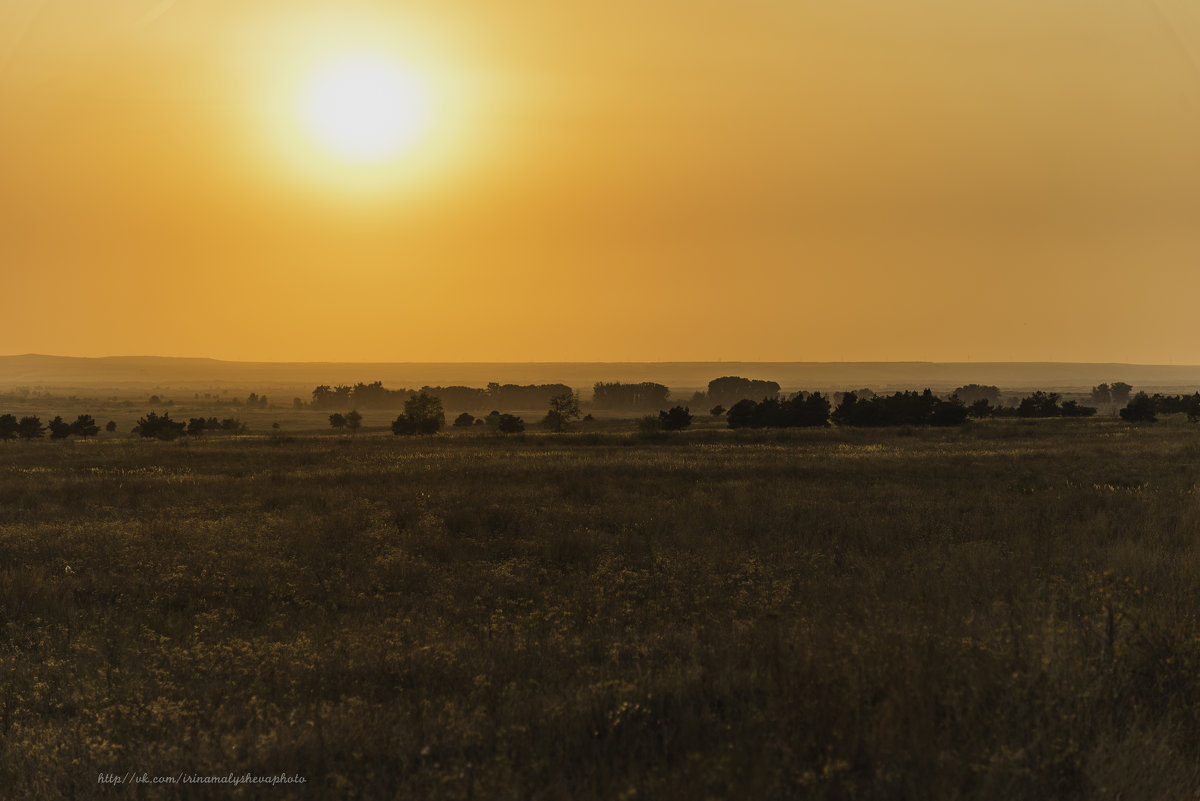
(297, 403)
(981, 408)
(30, 427)
(326, 397)
(196, 426)
(1171, 404)
(154, 426)
(464, 419)
(522, 396)
(233, 425)
(563, 409)
(971, 393)
(8, 426)
(742, 414)
(337, 420)
(510, 424)
(85, 426)
(59, 428)
(900, 408)
(1140, 409)
(1120, 391)
(730, 389)
(646, 395)
(717, 410)
(422, 415)
(110, 426)
(1101, 394)
(676, 419)
(803, 409)
(353, 421)
(1040, 404)
(808, 410)
(950, 412)
(847, 412)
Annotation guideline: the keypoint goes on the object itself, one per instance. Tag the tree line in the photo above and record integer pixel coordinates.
(424, 414)
(153, 425)
(606, 395)
(812, 409)
(31, 427)
(377, 396)
(866, 409)
(723, 391)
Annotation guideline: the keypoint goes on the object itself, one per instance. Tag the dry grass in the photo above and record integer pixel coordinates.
(1005, 611)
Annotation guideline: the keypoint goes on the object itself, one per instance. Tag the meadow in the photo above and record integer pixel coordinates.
(1010, 610)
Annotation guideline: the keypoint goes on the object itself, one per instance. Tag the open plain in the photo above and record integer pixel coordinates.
(1006, 610)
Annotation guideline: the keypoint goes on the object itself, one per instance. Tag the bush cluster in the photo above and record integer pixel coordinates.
(30, 427)
(803, 410)
(900, 409)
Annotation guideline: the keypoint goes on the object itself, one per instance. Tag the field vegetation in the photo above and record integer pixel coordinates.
(1004, 610)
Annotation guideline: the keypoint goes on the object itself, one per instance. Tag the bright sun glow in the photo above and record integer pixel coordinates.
(364, 108)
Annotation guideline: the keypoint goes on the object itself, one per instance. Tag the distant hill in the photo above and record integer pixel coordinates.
(150, 372)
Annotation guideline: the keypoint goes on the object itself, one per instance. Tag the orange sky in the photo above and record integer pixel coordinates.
(618, 180)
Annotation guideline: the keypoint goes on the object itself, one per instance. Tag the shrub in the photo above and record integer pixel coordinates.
(156, 427)
(30, 428)
(1040, 404)
(802, 410)
(1140, 409)
(901, 408)
(85, 426)
(59, 428)
(676, 419)
(973, 393)
(422, 415)
(510, 424)
(563, 409)
(981, 408)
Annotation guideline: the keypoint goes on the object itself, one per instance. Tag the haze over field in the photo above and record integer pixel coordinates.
(1002, 180)
(132, 373)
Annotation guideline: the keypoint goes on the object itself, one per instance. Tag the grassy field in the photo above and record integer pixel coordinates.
(1006, 611)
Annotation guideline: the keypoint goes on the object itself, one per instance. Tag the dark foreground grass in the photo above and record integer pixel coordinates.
(1007, 611)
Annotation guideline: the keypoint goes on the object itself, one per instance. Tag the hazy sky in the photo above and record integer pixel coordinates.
(616, 180)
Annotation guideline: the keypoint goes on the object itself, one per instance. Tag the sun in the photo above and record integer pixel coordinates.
(364, 108)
